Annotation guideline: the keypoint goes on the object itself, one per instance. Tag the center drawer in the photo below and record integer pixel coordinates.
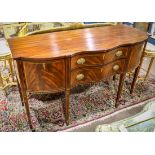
(95, 74)
(94, 59)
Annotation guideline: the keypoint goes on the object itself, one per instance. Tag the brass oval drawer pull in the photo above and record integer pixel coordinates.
(81, 61)
(119, 53)
(79, 76)
(116, 67)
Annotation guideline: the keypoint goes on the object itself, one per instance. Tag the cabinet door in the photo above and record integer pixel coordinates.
(45, 76)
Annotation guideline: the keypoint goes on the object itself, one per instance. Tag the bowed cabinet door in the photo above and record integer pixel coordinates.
(45, 76)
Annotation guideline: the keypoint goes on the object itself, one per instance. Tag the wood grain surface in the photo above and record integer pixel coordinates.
(59, 61)
(60, 44)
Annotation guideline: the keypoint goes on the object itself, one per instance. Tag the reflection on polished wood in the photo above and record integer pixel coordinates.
(60, 44)
(61, 60)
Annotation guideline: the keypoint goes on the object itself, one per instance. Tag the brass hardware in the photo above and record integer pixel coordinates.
(44, 66)
(79, 76)
(116, 68)
(81, 61)
(119, 53)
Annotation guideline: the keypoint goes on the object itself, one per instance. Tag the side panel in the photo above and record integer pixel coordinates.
(135, 57)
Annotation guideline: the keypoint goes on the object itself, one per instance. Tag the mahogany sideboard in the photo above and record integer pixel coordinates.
(59, 61)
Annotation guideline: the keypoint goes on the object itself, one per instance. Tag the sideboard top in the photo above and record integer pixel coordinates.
(64, 43)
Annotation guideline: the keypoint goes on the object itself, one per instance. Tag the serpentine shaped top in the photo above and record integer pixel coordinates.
(66, 43)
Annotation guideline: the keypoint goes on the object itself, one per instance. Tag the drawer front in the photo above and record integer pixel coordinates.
(95, 74)
(86, 60)
(116, 54)
(45, 76)
(98, 59)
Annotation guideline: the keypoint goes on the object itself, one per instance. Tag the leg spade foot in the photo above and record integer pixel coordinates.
(28, 112)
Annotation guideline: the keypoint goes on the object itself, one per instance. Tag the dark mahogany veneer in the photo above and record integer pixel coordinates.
(58, 61)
